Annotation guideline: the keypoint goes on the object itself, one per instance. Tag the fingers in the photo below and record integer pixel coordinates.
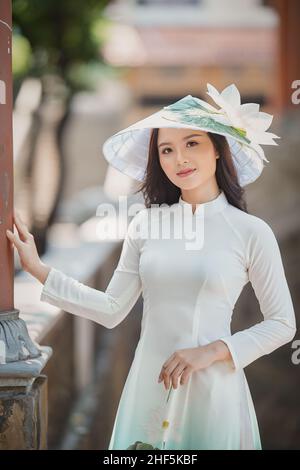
(176, 373)
(21, 234)
(184, 376)
(21, 227)
(166, 366)
(14, 239)
(8, 234)
(168, 369)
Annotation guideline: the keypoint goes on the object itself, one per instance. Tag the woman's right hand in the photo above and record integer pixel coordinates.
(23, 240)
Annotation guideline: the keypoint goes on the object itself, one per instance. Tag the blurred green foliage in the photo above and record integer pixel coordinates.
(22, 55)
(59, 36)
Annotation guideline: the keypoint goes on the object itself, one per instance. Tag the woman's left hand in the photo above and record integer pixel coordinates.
(185, 361)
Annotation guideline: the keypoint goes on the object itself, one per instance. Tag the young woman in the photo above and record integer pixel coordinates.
(186, 388)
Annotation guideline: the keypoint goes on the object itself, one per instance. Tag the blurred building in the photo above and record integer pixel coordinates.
(173, 48)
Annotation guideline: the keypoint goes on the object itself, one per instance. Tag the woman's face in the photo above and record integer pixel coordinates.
(181, 149)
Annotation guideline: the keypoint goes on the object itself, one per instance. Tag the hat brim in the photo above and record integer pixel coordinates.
(127, 150)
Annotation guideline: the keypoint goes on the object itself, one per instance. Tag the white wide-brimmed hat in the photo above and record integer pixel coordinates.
(243, 125)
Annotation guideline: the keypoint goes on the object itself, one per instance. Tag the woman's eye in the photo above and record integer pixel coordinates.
(189, 142)
(192, 142)
(167, 148)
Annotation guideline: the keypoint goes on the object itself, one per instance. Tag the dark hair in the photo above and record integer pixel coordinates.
(158, 189)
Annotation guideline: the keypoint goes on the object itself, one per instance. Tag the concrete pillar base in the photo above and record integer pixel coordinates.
(23, 417)
(24, 404)
(15, 342)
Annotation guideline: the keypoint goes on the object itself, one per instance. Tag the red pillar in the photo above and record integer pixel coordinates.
(289, 51)
(15, 343)
(6, 158)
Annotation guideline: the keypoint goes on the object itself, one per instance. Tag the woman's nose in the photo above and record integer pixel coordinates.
(181, 157)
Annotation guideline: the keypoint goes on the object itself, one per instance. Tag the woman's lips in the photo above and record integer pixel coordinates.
(186, 173)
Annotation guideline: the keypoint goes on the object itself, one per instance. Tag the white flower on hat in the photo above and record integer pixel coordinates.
(245, 117)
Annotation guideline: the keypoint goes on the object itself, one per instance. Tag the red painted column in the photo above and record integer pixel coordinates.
(16, 346)
(6, 158)
(288, 62)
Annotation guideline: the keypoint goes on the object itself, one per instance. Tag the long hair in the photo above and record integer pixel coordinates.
(158, 189)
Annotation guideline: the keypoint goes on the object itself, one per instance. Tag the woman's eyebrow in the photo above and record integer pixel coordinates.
(184, 138)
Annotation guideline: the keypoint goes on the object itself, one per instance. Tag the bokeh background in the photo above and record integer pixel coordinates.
(84, 70)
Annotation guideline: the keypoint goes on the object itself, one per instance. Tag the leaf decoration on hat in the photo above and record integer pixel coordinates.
(193, 111)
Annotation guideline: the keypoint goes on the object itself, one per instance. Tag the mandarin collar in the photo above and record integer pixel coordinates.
(205, 208)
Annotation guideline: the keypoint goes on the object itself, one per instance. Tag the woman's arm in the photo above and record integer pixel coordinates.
(41, 272)
(108, 307)
(267, 276)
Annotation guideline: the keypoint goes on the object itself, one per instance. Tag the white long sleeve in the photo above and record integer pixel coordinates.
(267, 276)
(108, 307)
